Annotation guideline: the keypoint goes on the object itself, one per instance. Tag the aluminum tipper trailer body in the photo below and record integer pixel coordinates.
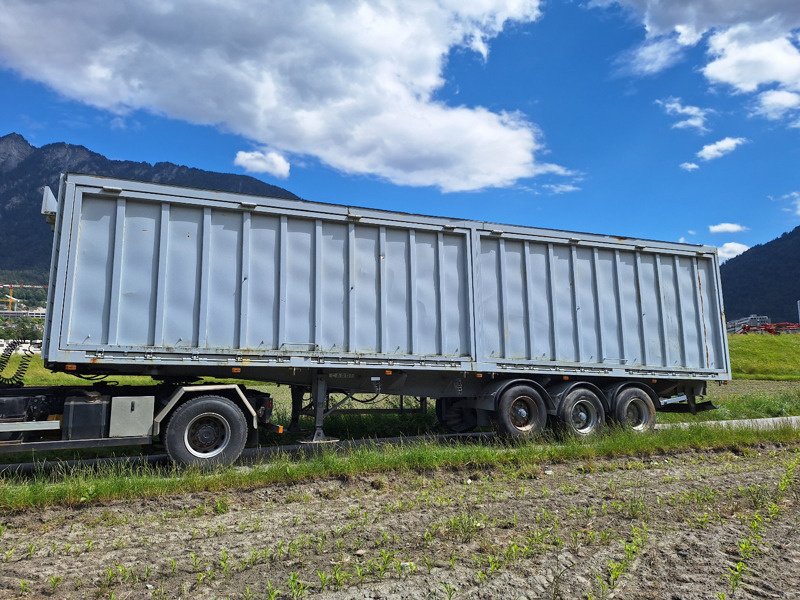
(175, 283)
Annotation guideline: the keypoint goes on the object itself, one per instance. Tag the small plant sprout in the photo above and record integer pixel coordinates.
(54, 581)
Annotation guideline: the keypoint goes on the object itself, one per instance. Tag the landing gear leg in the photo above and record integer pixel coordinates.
(691, 400)
(297, 407)
(319, 394)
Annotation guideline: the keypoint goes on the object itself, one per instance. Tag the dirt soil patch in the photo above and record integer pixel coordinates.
(688, 525)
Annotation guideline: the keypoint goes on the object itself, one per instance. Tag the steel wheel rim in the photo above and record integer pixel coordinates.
(637, 415)
(584, 416)
(522, 413)
(207, 435)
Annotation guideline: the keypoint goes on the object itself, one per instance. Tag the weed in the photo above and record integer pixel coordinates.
(735, 574)
(272, 592)
(464, 526)
(224, 562)
(324, 579)
(297, 588)
(221, 506)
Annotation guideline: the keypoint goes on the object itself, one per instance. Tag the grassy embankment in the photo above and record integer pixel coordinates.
(771, 357)
(77, 486)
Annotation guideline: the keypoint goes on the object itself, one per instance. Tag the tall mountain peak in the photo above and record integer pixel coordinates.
(13, 150)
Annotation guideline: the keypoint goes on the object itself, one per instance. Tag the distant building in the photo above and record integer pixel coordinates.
(737, 325)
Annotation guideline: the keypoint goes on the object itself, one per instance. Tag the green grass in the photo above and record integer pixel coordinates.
(86, 485)
(755, 356)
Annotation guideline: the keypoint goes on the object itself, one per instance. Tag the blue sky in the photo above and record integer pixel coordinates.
(572, 115)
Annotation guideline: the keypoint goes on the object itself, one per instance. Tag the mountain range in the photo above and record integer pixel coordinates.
(25, 237)
(763, 280)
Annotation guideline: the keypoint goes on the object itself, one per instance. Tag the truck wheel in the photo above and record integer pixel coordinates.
(454, 416)
(634, 409)
(207, 430)
(581, 412)
(521, 412)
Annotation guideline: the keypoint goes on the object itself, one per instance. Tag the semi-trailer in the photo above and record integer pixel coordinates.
(500, 324)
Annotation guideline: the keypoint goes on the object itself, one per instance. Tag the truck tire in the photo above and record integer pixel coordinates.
(581, 413)
(207, 430)
(521, 412)
(634, 409)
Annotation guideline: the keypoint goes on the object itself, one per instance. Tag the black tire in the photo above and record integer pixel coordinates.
(521, 412)
(634, 409)
(454, 417)
(207, 430)
(581, 413)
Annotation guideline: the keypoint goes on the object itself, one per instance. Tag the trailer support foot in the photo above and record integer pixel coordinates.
(319, 394)
(297, 407)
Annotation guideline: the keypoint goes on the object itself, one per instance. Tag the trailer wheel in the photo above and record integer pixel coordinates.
(581, 412)
(521, 412)
(634, 409)
(207, 430)
(453, 416)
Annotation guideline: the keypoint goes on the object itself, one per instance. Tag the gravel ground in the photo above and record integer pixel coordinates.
(674, 526)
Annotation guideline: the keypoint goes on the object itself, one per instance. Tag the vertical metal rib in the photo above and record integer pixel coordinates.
(351, 287)
(551, 305)
(440, 304)
(412, 289)
(699, 312)
(283, 263)
(679, 308)
(161, 286)
(598, 316)
(620, 324)
(526, 266)
(573, 284)
(383, 284)
(117, 246)
(640, 316)
(205, 276)
(316, 335)
(662, 317)
(502, 280)
(244, 292)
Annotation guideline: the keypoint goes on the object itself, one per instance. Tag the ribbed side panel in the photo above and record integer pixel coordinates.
(171, 277)
(544, 302)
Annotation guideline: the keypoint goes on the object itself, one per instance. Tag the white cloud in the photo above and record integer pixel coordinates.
(267, 161)
(774, 104)
(726, 228)
(731, 249)
(689, 166)
(653, 56)
(350, 83)
(720, 148)
(691, 232)
(747, 57)
(561, 188)
(682, 240)
(751, 45)
(694, 117)
(794, 201)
